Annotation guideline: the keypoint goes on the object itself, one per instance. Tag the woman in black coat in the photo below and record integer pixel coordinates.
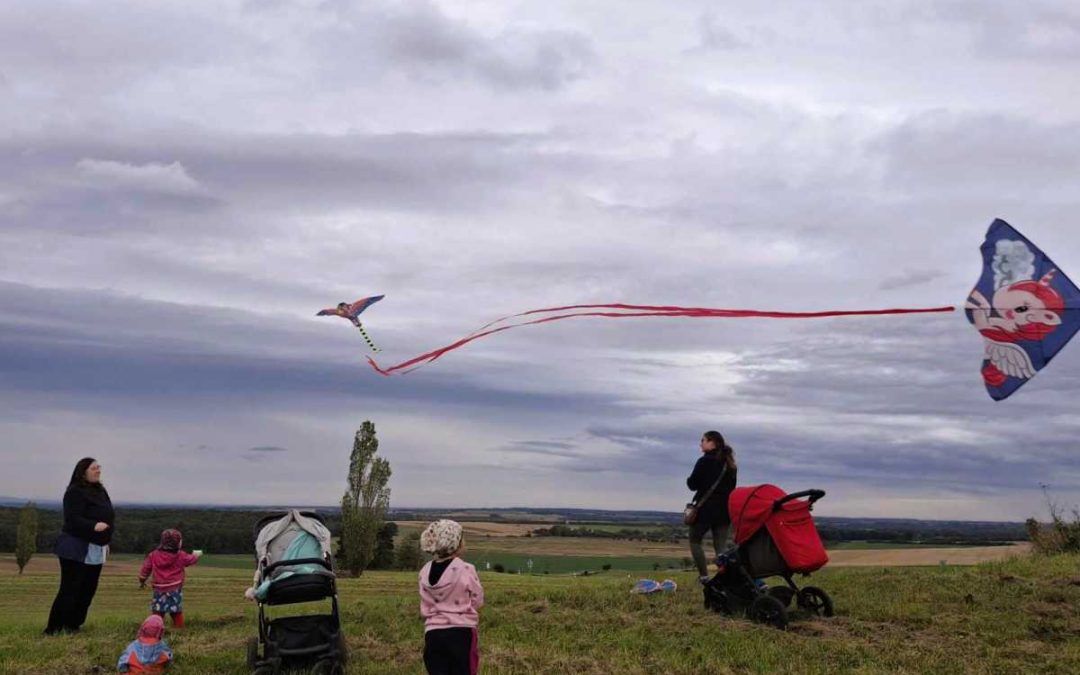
(82, 546)
(717, 458)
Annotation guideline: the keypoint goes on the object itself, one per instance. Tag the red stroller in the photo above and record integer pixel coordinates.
(774, 536)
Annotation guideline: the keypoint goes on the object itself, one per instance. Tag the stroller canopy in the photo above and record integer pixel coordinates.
(275, 537)
(790, 526)
(292, 536)
(750, 508)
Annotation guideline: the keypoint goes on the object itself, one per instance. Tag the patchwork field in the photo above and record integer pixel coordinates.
(1019, 615)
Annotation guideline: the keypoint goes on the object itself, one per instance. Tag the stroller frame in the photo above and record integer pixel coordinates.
(735, 587)
(328, 657)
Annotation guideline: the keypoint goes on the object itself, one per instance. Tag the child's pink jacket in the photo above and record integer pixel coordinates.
(453, 601)
(167, 568)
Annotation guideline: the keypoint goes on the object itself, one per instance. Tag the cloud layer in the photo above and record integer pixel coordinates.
(181, 189)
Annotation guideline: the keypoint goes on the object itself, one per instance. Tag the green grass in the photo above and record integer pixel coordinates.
(556, 564)
(1019, 616)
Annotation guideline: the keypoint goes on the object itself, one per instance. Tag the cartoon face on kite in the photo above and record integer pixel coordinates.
(1027, 310)
(1025, 323)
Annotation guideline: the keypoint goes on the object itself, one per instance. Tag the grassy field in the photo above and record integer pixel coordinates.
(1018, 615)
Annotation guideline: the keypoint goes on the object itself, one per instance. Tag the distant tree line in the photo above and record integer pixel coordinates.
(138, 530)
(958, 534)
(662, 534)
(230, 531)
(937, 534)
(223, 531)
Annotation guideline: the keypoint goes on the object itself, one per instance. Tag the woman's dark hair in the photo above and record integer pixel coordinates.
(725, 453)
(78, 476)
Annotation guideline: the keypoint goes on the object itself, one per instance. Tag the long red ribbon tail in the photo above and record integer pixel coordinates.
(639, 311)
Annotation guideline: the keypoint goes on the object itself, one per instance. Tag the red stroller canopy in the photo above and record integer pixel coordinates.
(750, 508)
(791, 526)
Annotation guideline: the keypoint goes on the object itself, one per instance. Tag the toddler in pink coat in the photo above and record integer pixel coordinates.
(166, 564)
(450, 595)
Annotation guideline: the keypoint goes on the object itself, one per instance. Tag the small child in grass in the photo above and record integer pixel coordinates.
(148, 653)
(166, 564)
(450, 595)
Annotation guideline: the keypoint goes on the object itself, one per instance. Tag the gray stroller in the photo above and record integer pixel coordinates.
(294, 565)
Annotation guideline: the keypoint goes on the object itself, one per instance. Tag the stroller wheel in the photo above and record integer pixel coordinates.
(716, 601)
(783, 594)
(767, 609)
(343, 649)
(815, 600)
(252, 652)
(327, 667)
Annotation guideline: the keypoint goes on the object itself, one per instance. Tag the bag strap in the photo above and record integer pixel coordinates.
(712, 489)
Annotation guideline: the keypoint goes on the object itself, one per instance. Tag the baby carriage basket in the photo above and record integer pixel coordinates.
(293, 565)
(774, 536)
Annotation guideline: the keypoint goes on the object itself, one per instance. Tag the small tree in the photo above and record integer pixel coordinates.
(26, 535)
(384, 547)
(408, 556)
(365, 502)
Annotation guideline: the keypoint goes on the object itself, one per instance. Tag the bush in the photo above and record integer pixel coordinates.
(606, 567)
(408, 555)
(1058, 536)
(498, 567)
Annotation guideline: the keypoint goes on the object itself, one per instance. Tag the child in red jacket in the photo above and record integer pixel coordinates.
(167, 563)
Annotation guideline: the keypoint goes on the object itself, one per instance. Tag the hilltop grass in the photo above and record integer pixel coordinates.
(511, 561)
(1021, 615)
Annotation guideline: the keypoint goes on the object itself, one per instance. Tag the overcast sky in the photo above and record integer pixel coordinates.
(184, 184)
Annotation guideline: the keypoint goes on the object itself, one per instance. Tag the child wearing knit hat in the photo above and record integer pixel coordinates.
(166, 564)
(148, 653)
(450, 595)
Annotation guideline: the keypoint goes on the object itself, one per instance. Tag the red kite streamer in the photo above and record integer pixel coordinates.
(623, 311)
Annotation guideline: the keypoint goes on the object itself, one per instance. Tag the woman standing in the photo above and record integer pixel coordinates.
(717, 463)
(81, 546)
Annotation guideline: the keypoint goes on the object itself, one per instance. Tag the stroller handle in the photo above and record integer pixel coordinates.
(814, 495)
(298, 561)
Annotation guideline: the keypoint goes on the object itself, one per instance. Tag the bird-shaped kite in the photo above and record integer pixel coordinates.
(351, 312)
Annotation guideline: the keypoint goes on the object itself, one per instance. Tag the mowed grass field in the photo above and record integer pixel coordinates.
(1020, 615)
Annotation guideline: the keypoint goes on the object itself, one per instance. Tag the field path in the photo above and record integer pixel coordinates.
(907, 557)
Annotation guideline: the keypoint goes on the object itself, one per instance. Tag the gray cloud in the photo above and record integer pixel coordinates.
(911, 278)
(1038, 30)
(714, 35)
(181, 189)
